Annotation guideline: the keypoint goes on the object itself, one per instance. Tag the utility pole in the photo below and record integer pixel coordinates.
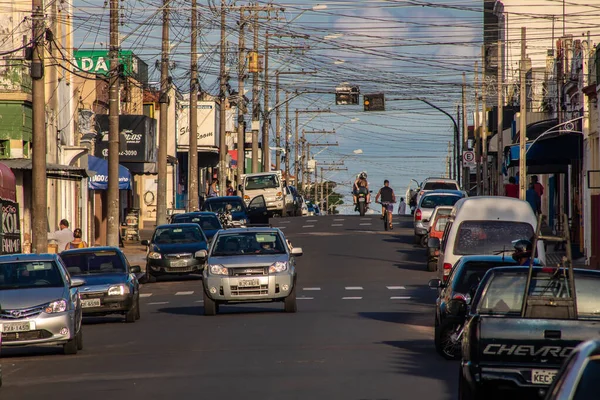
(112, 193)
(265, 133)
(456, 152)
(161, 192)
(287, 137)
(465, 127)
(296, 150)
(322, 184)
(500, 84)
(193, 203)
(316, 186)
(277, 125)
(255, 105)
(484, 124)
(222, 113)
(477, 131)
(39, 187)
(449, 161)
(523, 118)
(241, 134)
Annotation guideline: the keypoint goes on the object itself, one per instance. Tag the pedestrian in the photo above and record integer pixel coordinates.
(534, 200)
(213, 190)
(511, 189)
(539, 189)
(77, 242)
(63, 235)
(402, 207)
(230, 189)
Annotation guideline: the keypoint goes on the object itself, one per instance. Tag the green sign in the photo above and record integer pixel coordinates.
(98, 62)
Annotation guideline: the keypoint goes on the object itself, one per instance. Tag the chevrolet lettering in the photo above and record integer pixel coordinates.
(527, 350)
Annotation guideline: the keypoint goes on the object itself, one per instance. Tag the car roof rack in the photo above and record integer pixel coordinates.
(556, 299)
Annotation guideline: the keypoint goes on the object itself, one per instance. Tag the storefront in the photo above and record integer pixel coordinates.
(10, 227)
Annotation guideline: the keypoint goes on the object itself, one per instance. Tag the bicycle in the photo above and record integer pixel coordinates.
(389, 206)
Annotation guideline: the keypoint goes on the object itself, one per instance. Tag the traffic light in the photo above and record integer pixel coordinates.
(347, 95)
(374, 102)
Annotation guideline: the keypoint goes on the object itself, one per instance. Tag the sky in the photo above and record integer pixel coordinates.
(405, 49)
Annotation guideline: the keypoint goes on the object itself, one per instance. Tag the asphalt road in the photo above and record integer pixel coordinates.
(363, 331)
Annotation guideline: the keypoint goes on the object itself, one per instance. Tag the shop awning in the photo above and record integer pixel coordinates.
(8, 184)
(549, 155)
(53, 171)
(100, 180)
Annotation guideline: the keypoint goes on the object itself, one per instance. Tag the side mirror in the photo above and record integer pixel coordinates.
(136, 269)
(240, 188)
(435, 284)
(433, 243)
(76, 282)
(201, 254)
(145, 243)
(297, 251)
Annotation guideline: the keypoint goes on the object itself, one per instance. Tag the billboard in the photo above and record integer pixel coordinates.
(139, 132)
(208, 125)
(98, 62)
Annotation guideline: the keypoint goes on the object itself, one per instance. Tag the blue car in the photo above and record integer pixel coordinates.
(208, 221)
(111, 285)
(218, 205)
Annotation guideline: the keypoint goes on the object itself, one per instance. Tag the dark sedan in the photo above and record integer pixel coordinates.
(175, 250)
(457, 293)
(111, 285)
(208, 221)
(254, 214)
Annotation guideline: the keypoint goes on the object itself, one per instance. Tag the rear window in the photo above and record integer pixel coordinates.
(432, 201)
(489, 237)
(441, 222)
(440, 185)
(470, 274)
(587, 388)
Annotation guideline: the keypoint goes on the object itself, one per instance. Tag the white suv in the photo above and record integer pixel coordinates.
(430, 184)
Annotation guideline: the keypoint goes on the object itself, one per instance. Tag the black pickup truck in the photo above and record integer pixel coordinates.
(518, 340)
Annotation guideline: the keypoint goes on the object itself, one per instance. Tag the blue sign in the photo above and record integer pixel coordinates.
(100, 180)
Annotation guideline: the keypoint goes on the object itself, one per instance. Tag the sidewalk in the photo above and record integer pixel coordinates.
(135, 252)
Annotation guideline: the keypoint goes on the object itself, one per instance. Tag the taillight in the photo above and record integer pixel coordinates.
(436, 253)
(418, 215)
(447, 268)
(459, 296)
(549, 270)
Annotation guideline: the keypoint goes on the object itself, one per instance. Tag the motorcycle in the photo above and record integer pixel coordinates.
(361, 198)
(226, 219)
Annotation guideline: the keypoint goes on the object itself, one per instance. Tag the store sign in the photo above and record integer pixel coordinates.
(98, 62)
(139, 132)
(11, 229)
(208, 125)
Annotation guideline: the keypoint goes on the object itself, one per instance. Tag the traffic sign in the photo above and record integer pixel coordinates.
(468, 158)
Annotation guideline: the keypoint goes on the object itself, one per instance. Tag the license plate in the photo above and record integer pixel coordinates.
(178, 263)
(18, 326)
(543, 376)
(362, 199)
(248, 283)
(90, 303)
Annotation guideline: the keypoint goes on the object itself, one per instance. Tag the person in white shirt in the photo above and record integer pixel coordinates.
(402, 207)
(63, 236)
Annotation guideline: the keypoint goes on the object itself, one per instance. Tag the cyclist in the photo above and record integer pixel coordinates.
(388, 198)
(361, 184)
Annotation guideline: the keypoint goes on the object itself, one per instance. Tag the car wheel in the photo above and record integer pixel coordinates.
(465, 392)
(131, 313)
(432, 266)
(149, 277)
(210, 306)
(137, 308)
(424, 240)
(71, 346)
(80, 339)
(417, 239)
(449, 347)
(290, 305)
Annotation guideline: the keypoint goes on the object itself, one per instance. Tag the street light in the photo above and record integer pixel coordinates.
(318, 7)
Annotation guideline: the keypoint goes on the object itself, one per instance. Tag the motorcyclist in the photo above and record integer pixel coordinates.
(361, 184)
(522, 253)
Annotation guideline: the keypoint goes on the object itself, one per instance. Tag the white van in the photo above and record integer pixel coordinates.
(269, 185)
(486, 225)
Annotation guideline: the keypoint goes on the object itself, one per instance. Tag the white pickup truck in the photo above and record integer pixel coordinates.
(268, 184)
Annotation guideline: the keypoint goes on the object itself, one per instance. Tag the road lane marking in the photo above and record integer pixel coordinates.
(354, 288)
(337, 224)
(366, 224)
(284, 222)
(351, 298)
(339, 219)
(308, 226)
(400, 298)
(281, 227)
(311, 288)
(395, 287)
(305, 298)
(145, 294)
(199, 301)
(184, 293)
(311, 220)
(365, 219)
(158, 303)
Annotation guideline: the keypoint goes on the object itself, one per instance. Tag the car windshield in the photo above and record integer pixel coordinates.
(97, 262)
(504, 294)
(440, 185)
(206, 222)
(470, 274)
(172, 235)
(219, 206)
(27, 275)
(489, 237)
(237, 244)
(432, 201)
(261, 182)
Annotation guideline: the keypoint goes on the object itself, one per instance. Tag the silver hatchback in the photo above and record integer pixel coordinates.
(39, 302)
(251, 265)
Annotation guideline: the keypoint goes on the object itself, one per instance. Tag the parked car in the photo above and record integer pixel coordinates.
(208, 221)
(457, 291)
(249, 266)
(270, 185)
(429, 201)
(254, 213)
(40, 302)
(430, 184)
(174, 250)
(579, 375)
(313, 209)
(436, 230)
(111, 285)
(293, 202)
(304, 208)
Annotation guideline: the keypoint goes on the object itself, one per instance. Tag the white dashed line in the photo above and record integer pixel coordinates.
(339, 219)
(308, 226)
(199, 301)
(145, 294)
(311, 220)
(400, 298)
(351, 298)
(184, 293)
(354, 288)
(365, 219)
(395, 287)
(281, 227)
(158, 302)
(366, 224)
(305, 298)
(337, 224)
(284, 222)
(311, 288)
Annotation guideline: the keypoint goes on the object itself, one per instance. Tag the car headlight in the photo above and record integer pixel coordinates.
(218, 270)
(278, 266)
(56, 307)
(154, 255)
(279, 196)
(118, 290)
